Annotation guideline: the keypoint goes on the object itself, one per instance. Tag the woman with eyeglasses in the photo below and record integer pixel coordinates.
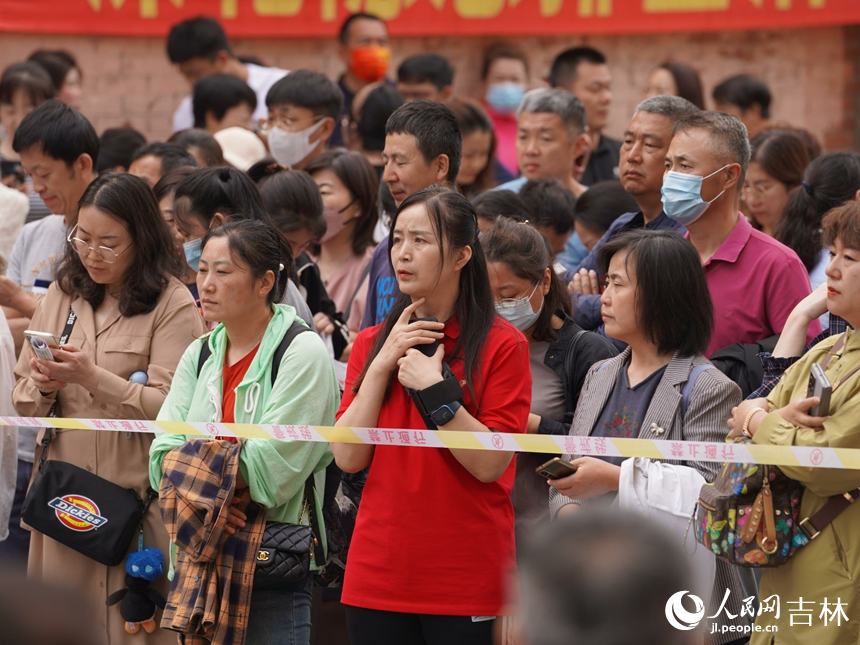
(530, 296)
(133, 319)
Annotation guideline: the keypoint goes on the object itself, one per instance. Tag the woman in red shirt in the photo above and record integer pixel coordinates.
(434, 537)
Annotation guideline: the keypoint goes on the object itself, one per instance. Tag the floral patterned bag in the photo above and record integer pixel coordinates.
(750, 516)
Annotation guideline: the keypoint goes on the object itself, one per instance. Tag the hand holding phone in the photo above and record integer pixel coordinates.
(820, 386)
(430, 348)
(41, 342)
(556, 468)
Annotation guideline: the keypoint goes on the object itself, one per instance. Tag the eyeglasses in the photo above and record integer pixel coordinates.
(109, 256)
(510, 303)
(760, 189)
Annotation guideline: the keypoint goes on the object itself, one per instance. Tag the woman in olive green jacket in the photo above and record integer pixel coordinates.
(826, 572)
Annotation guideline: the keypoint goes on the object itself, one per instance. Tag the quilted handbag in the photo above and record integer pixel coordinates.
(286, 550)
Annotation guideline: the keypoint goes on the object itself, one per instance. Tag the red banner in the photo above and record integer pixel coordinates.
(314, 18)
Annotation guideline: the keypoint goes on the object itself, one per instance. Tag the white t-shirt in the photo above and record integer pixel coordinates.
(260, 79)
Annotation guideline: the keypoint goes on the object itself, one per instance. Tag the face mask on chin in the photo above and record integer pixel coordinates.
(291, 148)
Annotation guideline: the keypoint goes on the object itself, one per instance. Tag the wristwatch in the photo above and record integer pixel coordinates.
(444, 414)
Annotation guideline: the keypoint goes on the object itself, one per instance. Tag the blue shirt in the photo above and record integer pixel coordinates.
(586, 309)
(382, 287)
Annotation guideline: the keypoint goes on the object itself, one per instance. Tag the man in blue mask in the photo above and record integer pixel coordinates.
(642, 164)
(755, 281)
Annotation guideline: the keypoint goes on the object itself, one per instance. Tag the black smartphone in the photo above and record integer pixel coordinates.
(430, 348)
(556, 468)
(9, 168)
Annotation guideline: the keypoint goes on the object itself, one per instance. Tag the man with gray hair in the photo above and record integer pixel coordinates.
(755, 281)
(641, 166)
(552, 143)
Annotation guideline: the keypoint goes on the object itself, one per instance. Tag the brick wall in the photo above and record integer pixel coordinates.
(813, 73)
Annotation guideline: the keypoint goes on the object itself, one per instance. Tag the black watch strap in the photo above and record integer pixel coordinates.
(446, 391)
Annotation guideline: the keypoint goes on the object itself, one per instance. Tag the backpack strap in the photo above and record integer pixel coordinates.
(295, 329)
(687, 390)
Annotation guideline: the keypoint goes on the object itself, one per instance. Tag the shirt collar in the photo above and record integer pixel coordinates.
(452, 327)
(731, 248)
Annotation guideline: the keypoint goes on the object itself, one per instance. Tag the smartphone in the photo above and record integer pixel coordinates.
(8, 168)
(430, 348)
(40, 342)
(820, 386)
(556, 468)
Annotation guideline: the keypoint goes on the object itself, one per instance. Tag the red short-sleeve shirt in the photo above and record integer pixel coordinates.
(429, 537)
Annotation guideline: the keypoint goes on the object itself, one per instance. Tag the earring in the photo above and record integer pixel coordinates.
(260, 292)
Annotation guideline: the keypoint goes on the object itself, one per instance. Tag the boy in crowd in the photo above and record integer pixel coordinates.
(303, 110)
(221, 101)
(154, 160)
(199, 47)
(425, 76)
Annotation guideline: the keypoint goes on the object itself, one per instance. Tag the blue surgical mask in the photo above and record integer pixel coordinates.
(519, 312)
(682, 196)
(505, 98)
(193, 251)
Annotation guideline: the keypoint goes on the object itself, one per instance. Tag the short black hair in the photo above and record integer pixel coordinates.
(602, 204)
(293, 202)
(56, 63)
(117, 146)
(60, 131)
(207, 145)
(426, 68)
(343, 35)
(373, 115)
(201, 37)
(29, 78)
(435, 128)
(744, 91)
(669, 279)
(310, 90)
(172, 156)
(218, 93)
(564, 67)
(492, 204)
(551, 204)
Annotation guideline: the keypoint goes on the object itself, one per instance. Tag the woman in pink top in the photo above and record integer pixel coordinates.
(505, 75)
(348, 185)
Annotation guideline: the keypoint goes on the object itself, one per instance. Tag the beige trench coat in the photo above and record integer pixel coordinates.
(152, 343)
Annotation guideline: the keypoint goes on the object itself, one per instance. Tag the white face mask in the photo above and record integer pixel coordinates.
(519, 311)
(290, 148)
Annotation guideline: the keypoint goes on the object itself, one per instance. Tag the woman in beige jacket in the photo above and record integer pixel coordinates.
(133, 315)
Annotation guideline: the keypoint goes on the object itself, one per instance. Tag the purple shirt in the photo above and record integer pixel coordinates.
(755, 282)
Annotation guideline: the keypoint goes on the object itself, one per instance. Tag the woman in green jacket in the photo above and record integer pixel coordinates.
(243, 274)
(823, 573)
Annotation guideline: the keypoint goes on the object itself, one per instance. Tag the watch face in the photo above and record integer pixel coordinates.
(442, 416)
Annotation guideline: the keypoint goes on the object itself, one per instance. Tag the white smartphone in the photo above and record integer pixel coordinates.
(40, 341)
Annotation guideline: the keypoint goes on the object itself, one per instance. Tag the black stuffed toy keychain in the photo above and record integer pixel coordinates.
(138, 600)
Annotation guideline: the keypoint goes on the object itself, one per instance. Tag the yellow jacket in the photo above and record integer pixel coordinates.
(828, 568)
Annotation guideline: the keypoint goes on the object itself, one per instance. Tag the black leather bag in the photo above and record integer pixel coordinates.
(287, 550)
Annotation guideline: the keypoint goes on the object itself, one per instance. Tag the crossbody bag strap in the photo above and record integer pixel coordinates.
(314, 520)
(64, 338)
(813, 525)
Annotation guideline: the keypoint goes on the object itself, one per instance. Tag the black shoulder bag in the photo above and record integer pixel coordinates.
(286, 550)
(79, 509)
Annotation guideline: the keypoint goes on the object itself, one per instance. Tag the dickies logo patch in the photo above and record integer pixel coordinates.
(77, 512)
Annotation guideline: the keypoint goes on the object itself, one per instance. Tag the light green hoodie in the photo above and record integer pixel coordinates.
(305, 393)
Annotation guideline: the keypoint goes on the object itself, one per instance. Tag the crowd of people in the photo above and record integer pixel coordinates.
(500, 265)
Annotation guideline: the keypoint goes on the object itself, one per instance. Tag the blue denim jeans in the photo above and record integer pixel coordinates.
(280, 617)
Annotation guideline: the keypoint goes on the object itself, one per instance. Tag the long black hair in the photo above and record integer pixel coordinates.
(526, 253)
(260, 247)
(129, 200)
(831, 180)
(453, 219)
